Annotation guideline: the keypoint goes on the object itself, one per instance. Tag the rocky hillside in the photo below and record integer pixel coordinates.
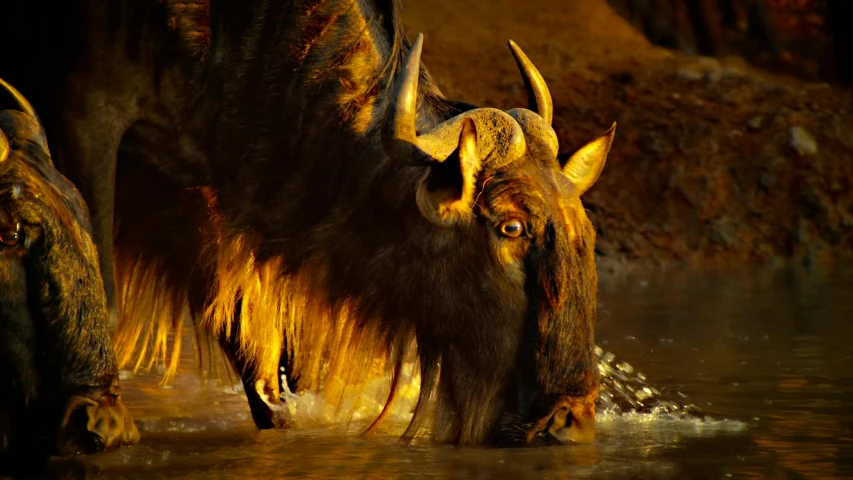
(714, 162)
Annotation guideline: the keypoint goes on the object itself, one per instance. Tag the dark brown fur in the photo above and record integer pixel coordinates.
(252, 192)
(191, 18)
(59, 390)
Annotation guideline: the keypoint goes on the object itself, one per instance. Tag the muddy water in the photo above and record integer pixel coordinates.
(727, 375)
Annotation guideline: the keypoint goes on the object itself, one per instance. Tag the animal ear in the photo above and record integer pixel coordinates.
(585, 165)
(446, 195)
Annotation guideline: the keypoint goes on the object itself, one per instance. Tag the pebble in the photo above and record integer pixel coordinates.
(714, 76)
(755, 123)
(690, 74)
(802, 141)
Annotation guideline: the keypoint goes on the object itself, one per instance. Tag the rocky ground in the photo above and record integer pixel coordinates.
(714, 163)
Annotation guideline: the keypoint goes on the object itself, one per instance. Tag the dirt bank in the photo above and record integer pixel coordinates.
(714, 163)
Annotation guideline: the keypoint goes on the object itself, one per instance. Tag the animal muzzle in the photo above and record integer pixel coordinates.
(553, 421)
(569, 420)
(96, 420)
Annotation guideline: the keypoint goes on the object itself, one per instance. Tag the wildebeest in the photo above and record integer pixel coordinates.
(59, 387)
(288, 173)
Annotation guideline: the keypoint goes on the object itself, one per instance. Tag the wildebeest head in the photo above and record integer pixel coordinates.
(515, 341)
(59, 389)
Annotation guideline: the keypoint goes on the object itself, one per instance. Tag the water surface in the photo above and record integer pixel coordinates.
(761, 356)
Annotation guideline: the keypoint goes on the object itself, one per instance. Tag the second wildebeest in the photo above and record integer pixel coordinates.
(290, 173)
(59, 387)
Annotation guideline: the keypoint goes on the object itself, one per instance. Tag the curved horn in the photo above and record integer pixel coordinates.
(398, 133)
(502, 138)
(4, 148)
(25, 105)
(536, 127)
(24, 123)
(538, 95)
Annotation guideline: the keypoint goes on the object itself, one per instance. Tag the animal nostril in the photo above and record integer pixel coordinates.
(560, 419)
(566, 427)
(97, 443)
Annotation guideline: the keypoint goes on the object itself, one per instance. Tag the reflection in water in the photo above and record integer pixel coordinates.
(748, 377)
(769, 347)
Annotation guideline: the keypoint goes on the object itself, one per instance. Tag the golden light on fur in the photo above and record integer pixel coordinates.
(334, 351)
(313, 205)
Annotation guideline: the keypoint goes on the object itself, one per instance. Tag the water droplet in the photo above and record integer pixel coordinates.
(625, 367)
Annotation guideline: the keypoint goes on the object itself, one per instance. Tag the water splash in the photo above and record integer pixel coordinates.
(627, 395)
(625, 391)
(309, 408)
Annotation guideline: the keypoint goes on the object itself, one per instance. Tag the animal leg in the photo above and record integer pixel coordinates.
(87, 149)
(262, 393)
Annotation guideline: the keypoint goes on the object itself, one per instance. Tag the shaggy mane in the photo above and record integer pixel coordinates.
(333, 345)
(332, 348)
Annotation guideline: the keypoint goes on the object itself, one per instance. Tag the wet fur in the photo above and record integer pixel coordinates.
(54, 342)
(313, 234)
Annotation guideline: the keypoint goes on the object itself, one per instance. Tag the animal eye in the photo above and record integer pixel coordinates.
(512, 228)
(10, 236)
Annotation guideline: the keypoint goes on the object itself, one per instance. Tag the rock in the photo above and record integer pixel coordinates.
(734, 72)
(802, 141)
(713, 76)
(721, 231)
(755, 123)
(690, 74)
(708, 63)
